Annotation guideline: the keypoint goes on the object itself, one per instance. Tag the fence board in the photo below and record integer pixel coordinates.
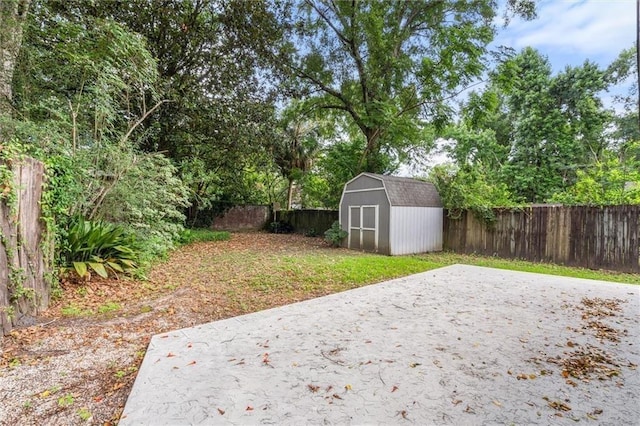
(590, 237)
(307, 221)
(24, 291)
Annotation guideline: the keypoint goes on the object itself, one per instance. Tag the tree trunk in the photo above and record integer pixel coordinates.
(290, 194)
(370, 162)
(13, 14)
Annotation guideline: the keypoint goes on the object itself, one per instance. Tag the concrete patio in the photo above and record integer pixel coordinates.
(457, 345)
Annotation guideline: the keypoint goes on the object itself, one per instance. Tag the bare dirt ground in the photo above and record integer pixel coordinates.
(79, 369)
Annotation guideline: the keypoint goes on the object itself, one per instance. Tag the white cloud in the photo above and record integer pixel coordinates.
(576, 30)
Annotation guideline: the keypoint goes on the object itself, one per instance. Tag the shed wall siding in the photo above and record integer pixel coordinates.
(415, 230)
(364, 182)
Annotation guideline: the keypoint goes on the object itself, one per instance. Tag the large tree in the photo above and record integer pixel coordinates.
(390, 66)
(13, 14)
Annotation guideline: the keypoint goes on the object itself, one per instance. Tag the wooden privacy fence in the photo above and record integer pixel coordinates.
(589, 237)
(24, 291)
(308, 221)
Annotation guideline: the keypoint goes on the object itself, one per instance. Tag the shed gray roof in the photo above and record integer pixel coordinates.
(409, 192)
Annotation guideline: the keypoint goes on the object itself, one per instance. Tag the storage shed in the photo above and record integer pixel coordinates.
(391, 215)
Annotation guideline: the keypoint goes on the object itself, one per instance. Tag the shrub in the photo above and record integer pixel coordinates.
(148, 200)
(100, 246)
(335, 234)
(311, 232)
(280, 227)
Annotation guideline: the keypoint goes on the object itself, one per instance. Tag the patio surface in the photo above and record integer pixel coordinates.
(456, 345)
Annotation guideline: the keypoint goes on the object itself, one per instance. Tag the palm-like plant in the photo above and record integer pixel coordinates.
(295, 151)
(99, 246)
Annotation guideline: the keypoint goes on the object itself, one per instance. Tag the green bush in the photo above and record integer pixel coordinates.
(149, 200)
(335, 234)
(102, 247)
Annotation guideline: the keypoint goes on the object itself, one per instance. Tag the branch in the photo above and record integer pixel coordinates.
(141, 120)
(425, 102)
(326, 19)
(349, 43)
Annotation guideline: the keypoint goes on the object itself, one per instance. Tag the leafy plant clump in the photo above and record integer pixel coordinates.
(335, 234)
(99, 246)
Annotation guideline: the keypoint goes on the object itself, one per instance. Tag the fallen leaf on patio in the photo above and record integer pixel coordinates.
(191, 363)
(313, 388)
(558, 405)
(414, 364)
(592, 415)
(249, 408)
(347, 387)
(336, 396)
(170, 354)
(221, 411)
(456, 402)
(394, 388)
(497, 403)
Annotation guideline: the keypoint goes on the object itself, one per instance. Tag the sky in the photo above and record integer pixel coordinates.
(570, 31)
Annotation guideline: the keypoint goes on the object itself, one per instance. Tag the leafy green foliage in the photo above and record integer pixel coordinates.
(540, 136)
(148, 199)
(558, 123)
(99, 246)
(199, 235)
(294, 150)
(470, 188)
(605, 183)
(335, 235)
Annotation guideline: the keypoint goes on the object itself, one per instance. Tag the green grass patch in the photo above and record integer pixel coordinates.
(200, 235)
(75, 311)
(108, 307)
(322, 272)
(448, 258)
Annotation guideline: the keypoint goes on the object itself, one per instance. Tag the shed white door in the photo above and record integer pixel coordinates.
(363, 228)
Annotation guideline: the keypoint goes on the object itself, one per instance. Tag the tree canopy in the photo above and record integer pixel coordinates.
(390, 66)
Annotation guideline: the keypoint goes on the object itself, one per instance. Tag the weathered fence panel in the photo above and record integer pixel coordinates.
(24, 290)
(590, 237)
(308, 221)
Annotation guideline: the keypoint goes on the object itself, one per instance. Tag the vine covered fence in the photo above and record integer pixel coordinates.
(24, 248)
